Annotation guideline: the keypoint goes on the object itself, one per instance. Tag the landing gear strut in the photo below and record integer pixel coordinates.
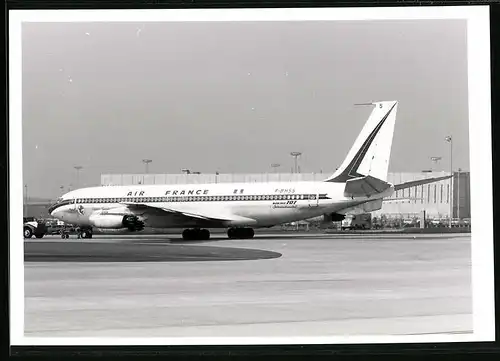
(240, 233)
(196, 234)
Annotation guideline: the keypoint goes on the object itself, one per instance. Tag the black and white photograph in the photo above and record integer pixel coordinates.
(250, 176)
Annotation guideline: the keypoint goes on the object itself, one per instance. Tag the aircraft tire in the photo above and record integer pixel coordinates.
(196, 234)
(204, 234)
(240, 233)
(250, 232)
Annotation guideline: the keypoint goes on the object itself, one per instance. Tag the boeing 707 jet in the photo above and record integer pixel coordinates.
(241, 207)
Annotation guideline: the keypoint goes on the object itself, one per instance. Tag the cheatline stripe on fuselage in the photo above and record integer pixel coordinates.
(187, 198)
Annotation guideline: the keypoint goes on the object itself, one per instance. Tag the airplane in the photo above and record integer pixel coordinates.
(361, 180)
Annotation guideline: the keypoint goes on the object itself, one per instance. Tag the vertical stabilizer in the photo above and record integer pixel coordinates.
(370, 153)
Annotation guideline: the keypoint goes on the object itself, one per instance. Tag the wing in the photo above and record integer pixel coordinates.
(365, 207)
(419, 182)
(212, 216)
(406, 199)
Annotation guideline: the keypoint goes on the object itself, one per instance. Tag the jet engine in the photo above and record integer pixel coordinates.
(133, 223)
(115, 221)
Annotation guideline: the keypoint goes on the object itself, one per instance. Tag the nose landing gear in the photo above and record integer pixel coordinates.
(84, 233)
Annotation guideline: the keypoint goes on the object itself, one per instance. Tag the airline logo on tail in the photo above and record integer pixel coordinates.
(372, 147)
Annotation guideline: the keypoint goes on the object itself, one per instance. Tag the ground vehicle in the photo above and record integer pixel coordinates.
(34, 227)
(357, 221)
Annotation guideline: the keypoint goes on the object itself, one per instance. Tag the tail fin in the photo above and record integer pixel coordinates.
(371, 151)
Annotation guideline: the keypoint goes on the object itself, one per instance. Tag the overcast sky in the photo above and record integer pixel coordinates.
(235, 97)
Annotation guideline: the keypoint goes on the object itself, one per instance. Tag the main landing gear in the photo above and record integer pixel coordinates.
(196, 234)
(240, 233)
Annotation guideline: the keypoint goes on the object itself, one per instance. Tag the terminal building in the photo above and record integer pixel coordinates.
(432, 198)
(37, 208)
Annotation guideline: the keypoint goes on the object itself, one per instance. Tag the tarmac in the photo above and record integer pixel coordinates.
(272, 285)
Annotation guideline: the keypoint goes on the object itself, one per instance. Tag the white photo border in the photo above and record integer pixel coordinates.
(478, 42)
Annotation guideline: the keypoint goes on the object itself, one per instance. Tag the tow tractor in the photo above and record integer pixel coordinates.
(64, 232)
(67, 229)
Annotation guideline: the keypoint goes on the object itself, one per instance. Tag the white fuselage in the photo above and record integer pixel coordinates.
(258, 204)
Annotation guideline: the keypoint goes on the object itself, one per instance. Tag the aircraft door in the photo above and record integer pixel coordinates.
(73, 204)
(313, 200)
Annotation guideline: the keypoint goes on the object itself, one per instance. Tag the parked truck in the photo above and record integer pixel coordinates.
(357, 221)
(33, 227)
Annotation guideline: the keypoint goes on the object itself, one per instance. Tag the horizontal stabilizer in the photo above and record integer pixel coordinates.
(420, 182)
(364, 186)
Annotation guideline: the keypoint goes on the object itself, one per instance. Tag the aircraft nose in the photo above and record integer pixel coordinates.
(51, 210)
(54, 212)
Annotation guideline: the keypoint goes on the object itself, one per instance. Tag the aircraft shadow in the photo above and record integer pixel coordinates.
(129, 252)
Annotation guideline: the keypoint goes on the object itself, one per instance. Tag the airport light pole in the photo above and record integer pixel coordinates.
(450, 140)
(146, 163)
(295, 155)
(435, 160)
(275, 166)
(458, 193)
(78, 167)
(25, 200)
